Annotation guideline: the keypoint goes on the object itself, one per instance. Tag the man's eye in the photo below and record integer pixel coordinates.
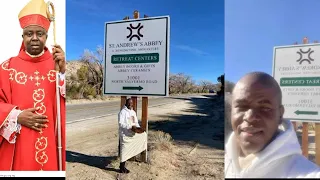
(40, 34)
(266, 109)
(241, 108)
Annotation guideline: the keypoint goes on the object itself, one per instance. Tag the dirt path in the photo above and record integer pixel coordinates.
(196, 152)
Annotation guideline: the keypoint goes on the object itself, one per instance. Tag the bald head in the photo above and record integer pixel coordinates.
(260, 79)
(128, 100)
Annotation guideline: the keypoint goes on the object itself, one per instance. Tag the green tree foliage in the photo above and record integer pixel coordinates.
(87, 81)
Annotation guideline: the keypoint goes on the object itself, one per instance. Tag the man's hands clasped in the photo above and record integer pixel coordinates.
(137, 130)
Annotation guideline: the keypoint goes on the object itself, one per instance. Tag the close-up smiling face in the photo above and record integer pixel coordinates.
(256, 112)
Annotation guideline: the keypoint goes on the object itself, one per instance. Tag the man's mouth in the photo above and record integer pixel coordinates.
(249, 131)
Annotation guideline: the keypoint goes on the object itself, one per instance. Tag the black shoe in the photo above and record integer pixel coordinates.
(124, 170)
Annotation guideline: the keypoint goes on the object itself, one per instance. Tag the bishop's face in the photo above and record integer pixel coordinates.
(34, 39)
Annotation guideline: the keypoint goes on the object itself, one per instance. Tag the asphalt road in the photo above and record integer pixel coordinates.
(83, 112)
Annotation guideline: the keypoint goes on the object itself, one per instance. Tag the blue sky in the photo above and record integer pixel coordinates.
(197, 30)
(253, 28)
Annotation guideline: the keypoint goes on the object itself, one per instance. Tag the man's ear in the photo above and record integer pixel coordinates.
(281, 113)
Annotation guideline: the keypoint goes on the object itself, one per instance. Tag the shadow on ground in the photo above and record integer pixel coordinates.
(95, 161)
(206, 127)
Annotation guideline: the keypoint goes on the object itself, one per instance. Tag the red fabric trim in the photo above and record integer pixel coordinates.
(34, 19)
(12, 136)
(22, 48)
(61, 82)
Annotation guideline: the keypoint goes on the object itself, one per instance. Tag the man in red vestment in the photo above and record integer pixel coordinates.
(28, 130)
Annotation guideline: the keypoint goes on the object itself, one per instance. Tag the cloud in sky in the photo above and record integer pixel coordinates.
(192, 50)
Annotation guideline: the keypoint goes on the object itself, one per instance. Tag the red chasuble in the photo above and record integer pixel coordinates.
(27, 82)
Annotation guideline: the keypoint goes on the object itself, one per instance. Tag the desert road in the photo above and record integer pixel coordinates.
(185, 139)
(88, 111)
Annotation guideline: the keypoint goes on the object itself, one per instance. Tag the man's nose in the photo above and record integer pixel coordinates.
(34, 37)
(251, 115)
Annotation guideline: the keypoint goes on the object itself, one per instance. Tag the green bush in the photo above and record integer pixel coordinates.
(82, 73)
(90, 97)
(89, 91)
(73, 91)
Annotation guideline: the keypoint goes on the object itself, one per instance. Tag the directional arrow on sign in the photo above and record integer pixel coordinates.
(297, 112)
(132, 88)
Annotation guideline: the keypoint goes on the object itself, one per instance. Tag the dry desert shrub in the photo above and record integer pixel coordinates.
(160, 140)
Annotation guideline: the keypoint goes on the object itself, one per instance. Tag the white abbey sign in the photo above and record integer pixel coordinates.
(137, 57)
(297, 70)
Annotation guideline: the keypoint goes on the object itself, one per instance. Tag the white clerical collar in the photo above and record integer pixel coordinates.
(35, 56)
(126, 108)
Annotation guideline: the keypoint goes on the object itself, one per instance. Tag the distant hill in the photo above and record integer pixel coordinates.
(73, 66)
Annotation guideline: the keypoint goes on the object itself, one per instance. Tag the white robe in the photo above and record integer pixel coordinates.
(282, 158)
(131, 143)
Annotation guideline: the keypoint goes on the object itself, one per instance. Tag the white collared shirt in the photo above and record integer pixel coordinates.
(126, 121)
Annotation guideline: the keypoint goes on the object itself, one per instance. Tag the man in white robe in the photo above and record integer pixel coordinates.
(263, 144)
(133, 138)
